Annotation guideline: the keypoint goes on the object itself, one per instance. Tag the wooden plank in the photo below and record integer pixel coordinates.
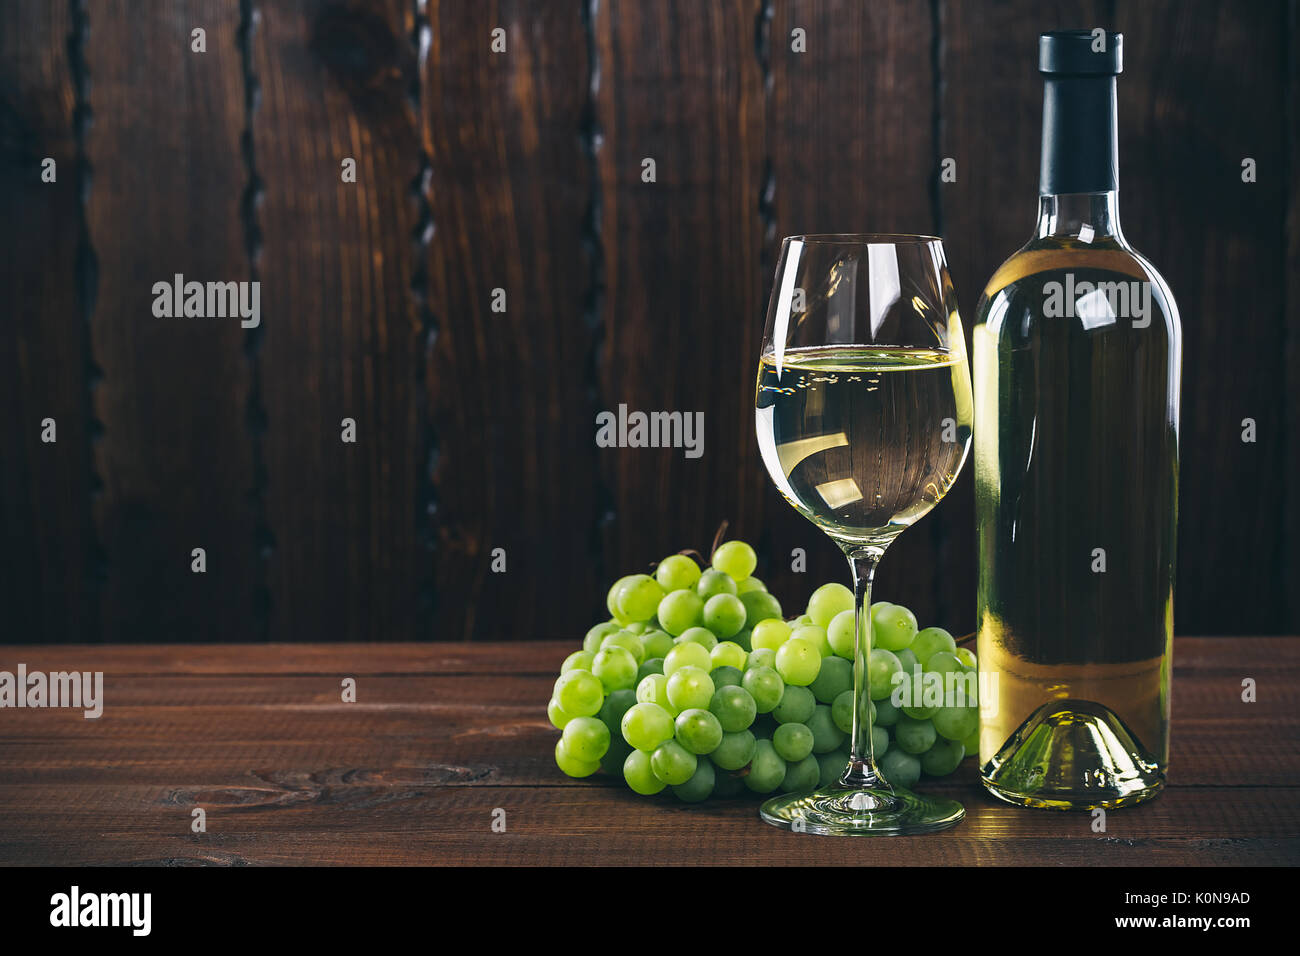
(365, 820)
(850, 141)
(991, 126)
(175, 456)
(341, 337)
(507, 391)
(413, 771)
(47, 578)
(681, 85)
(1200, 92)
(1291, 313)
(1193, 656)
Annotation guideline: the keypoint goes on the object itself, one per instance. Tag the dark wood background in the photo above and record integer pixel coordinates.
(522, 171)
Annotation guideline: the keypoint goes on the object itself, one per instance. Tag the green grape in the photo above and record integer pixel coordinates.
(944, 662)
(653, 689)
(639, 774)
(750, 583)
(651, 665)
(914, 736)
(907, 657)
(881, 668)
(628, 641)
(615, 706)
(585, 739)
(827, 601)
(725, 784)
(761, 657)
(672, 763)
(638, 627)
(736, 559)
(826, 736)
(676, 572)
(640, 597)
(577, 661)
(689, 687)
(879, 742)
(793, 741)
(688, 654)
(966, 656)
(943, 758)
(680, 610)
(698, 788)
(803, 620)
(698, 731)
(900, 768)
(645, 726)
(796, 706)
(801, 776)
(727, 676)
(839, 634)
(698, 635)
(572, 765)
(766, 770)
(760, 606)
(581, 694)
(713, 582)
(770, 634)
(728, 654)
(834, 678)
(816, 636)
(724, 614)
(842, 711)
(591, 642)
(931, 641)
(557, 715)
(615, 667)
(919, 713)
(893, 627)
(657, 643)
(765, 687)
(616, 755)
(741, 639)
(734, 707)
(956, 723)
(735, 751)
(611, 599)
(798, 661)
(831, 767)
(972, 744)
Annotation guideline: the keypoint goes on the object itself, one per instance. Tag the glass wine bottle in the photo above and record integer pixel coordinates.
(1077, 353)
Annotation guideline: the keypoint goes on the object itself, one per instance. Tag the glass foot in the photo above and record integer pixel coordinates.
(844, 811)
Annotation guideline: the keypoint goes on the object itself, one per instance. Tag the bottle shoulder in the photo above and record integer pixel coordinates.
(1055, 255)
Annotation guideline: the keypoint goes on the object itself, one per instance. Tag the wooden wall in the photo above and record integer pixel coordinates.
(522, 171)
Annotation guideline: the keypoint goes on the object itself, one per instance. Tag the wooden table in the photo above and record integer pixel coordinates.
(444, 736)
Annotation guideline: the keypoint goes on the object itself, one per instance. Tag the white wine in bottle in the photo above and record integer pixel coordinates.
(1077, 351)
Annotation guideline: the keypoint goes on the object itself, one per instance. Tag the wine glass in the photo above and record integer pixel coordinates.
(863, 410)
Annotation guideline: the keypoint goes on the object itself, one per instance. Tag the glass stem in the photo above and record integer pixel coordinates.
(862, 770)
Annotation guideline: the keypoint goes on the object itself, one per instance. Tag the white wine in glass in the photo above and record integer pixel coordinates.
(863, 412)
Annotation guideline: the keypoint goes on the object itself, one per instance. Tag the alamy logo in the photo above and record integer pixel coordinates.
(76, 689)
(74, 908)
(1098, 303)
(208, 300)
(651, 430)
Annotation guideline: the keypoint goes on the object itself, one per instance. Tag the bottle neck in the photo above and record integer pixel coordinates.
(1080, 136)
(1087, 217)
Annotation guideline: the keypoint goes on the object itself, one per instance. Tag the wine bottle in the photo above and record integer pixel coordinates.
(1077, 354)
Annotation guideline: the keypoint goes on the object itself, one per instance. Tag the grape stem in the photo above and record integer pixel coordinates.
(717, 538)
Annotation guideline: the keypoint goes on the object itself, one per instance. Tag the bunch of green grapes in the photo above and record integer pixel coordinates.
(698, 683)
